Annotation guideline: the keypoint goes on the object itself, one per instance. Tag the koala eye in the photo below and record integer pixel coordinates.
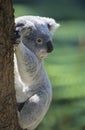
(39, 41)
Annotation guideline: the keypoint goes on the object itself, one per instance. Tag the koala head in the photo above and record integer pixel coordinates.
(35, 33)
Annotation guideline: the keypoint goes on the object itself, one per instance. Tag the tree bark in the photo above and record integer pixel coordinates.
(8, 115)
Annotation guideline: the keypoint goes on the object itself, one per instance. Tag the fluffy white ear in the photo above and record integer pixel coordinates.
(51, 23)
(23, 26)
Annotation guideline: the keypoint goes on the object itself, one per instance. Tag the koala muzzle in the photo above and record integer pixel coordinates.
(49, 46)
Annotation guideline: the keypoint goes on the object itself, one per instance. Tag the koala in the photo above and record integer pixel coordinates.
(32, 85)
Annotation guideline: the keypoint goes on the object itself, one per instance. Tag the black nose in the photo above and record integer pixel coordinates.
(49, 46)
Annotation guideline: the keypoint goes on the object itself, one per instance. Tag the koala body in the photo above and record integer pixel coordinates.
(32, 85)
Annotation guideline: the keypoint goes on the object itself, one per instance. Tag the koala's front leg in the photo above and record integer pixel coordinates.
(26, 63)
(33, 111)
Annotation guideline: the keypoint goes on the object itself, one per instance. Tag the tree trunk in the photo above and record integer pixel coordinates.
(8, 116)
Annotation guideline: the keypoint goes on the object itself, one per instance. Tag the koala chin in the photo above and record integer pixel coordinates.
(32, 85)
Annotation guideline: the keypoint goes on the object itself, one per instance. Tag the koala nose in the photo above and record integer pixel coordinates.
(49, 46)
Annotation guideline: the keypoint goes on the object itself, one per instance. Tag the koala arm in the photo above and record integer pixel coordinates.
(34, 110)
(27, 62)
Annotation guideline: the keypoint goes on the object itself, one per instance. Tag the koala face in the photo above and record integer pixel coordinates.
(35, 33)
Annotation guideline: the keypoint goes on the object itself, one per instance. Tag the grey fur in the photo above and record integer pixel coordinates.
(32, 84)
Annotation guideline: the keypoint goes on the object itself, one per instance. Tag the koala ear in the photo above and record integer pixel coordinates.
(19, 24)
(18, 27)
(51, 23)
(23, 27)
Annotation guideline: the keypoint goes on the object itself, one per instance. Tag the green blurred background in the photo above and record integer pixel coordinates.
(66, 65)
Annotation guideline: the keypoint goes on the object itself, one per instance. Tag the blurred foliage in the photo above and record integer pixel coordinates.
(59, 9)
(66, 65)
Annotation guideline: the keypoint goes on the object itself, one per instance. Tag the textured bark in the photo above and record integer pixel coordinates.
(8, 116)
